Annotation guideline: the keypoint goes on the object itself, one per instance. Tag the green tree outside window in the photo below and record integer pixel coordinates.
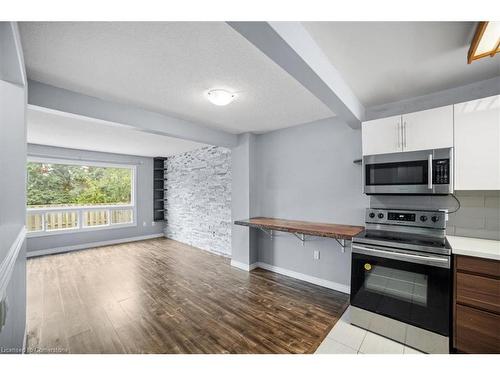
(77, 185)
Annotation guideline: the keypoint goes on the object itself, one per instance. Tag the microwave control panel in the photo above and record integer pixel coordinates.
(441, 171)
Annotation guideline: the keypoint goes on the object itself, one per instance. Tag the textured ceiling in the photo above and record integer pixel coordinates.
(167, 67)
(384, 62)
(54, 129)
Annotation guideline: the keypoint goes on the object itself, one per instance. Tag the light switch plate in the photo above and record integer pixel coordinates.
(316, 254)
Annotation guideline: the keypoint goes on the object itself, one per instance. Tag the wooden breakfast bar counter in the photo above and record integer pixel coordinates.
(335, 231)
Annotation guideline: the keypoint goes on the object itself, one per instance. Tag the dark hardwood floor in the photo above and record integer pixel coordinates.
(161, 296)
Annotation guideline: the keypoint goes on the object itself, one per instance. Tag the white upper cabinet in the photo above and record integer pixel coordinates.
(382, 136)
(424, 130)
(427, 130)
(477, 144)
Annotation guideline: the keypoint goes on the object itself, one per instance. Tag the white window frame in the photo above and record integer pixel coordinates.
(80, 209)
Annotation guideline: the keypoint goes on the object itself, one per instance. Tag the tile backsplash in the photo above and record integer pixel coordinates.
(478, 216)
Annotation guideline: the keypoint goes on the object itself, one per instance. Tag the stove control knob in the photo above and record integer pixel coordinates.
(435, 219)
(372, 215)
(380, 215)
(423, 218)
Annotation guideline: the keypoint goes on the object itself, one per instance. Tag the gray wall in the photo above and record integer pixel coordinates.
(479, 215)
(199, 198)
(144, 196)
(12, 187)
(307, 173)
(243, 199)
(13, 329)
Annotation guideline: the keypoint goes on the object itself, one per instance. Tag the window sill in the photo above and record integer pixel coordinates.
(79, 230)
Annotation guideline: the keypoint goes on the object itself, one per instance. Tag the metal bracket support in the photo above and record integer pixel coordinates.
(301, 237)
(268, 232)
(343, 244)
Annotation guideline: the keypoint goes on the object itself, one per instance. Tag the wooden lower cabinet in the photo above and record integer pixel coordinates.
(476, 305)
(478, 291)
(477, 331)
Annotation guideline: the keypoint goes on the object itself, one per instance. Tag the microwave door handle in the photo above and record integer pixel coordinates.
(429, 172)
(399, 256)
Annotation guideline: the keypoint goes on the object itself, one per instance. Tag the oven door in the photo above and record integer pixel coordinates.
(408, 286)
(416, 172)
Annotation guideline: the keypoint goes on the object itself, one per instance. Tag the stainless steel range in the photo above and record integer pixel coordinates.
(401, 278)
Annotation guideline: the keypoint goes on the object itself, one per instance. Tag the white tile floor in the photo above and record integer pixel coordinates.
(345, 338)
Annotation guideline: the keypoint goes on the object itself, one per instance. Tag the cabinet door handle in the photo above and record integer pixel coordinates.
(404, 134)
(400, 145)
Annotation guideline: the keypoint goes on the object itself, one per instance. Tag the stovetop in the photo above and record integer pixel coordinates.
(404, 241)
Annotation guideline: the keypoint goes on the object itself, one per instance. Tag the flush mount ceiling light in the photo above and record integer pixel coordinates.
(486, 41)
(220, 96)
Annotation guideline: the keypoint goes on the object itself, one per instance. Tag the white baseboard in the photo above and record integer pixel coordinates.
(89, 245)
(301, 276)
(243, 266)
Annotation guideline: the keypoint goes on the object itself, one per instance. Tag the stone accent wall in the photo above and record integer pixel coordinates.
(198, 199)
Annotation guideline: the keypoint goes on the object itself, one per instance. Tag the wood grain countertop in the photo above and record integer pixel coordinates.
(339, 231)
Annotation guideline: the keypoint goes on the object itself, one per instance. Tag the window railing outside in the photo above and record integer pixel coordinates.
(61, 220)
(57, 219)
(121, 216)
(95, 218)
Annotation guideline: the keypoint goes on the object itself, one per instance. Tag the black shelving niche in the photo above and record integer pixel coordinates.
(159, 189)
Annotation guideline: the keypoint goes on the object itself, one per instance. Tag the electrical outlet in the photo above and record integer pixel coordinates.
(144, 223)
(316, 254)
(153, 223)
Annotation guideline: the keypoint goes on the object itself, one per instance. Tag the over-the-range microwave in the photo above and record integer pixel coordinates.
(427, 172)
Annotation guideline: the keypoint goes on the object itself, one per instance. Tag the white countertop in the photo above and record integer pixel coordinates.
(475, 247)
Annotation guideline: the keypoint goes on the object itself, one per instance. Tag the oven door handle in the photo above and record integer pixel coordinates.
(422, 259)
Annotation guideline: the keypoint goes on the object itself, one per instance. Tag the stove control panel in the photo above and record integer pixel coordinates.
(415, 218)
(400, 216)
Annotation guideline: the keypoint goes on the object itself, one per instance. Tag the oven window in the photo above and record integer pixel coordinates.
(403, 285)
(412, 293)
(403, 173)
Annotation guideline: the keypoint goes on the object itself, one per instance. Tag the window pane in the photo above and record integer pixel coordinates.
(95, 218)
(60, 185)
(121, 216)
(34, 222)
(61, 220)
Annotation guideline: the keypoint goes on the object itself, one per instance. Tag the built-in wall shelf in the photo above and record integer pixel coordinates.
(300, 229)
(159, 189)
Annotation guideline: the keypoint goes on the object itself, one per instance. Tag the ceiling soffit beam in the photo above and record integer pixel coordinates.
(54, 98)
(11, 57)
(461, 94)
(290, 46)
